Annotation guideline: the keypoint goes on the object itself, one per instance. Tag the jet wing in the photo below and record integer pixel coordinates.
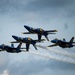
(53, 45)
(39, 37)
(23, 48)
(27, 33)
(40, 40)
(51, 31)
(27, 47)
(14, 42)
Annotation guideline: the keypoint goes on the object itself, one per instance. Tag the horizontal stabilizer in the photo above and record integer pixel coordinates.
(27, 33)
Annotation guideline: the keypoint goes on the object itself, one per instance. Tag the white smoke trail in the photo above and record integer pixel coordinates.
(46, 55)
(66, 53)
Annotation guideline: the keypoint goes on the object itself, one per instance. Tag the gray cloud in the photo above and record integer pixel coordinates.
(66, 26)
(42, 7)
(27, 68)
(47, 7)
(34, 67)
(55, 65)
(4, 61)
(25, 5)
(11, 6)
(50, 3)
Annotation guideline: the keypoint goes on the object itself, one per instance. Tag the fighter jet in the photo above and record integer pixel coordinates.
(26, 40)
(39, 32)
(62, 43)
(11, 49)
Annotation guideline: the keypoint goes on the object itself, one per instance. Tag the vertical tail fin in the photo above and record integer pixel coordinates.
(33, 43)
(12, 45)
(45, 34)
(64, 40)
(71, 41)
(35, 47)
(19, 46)
(47, 38)
(39, 37)
(27, 47)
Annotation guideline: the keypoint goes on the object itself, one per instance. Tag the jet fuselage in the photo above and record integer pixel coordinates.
(62, 44)
(24, 40)
(9, 49)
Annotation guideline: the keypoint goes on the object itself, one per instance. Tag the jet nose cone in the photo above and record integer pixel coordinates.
(53, 41)
(0, 46)
(15, 37)
(56, 30)
(28, 28)
(25, 26)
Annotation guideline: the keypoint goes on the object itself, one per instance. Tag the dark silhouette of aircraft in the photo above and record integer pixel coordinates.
(62, 43)
(11, 49)
(26, 40)
(39, 32)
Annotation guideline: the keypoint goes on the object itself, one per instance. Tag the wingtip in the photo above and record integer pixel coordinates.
(47, 46)
(22, 32)
(49, 41)
(56, 30)
(10, 42)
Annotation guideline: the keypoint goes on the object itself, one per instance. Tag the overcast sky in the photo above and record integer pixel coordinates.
(47, 14)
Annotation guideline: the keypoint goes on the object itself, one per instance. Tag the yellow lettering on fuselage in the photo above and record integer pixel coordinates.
(41, 29)
(29, 39)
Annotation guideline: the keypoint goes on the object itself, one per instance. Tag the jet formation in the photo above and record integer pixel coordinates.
(27, 40)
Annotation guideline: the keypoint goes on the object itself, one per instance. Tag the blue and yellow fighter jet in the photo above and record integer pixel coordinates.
(39, 32)
(26, 40)
(11, 49)
(62, 43)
